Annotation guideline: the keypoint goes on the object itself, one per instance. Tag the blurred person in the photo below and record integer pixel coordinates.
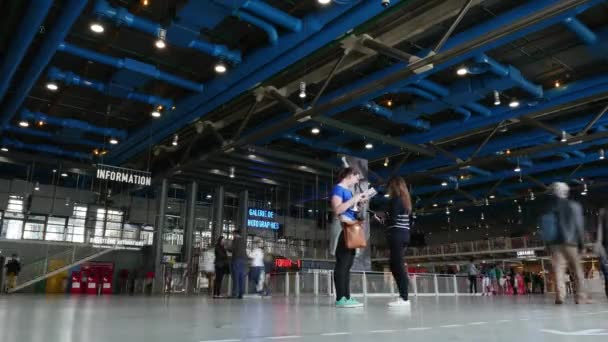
(208, 268)
(343, 203)
(486, 284)
(13, 268)
(256, 272)
(239, 265)
(472, 272)
(493, 279)
(397, 223)
(601, 245)
(566, 242)
(528, 282)
(268, 270)
(221, 266)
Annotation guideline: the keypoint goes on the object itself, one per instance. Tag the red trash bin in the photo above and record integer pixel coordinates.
(76, 283)
(92, 281)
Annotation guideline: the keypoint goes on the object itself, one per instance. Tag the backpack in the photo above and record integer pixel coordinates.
(549, 227)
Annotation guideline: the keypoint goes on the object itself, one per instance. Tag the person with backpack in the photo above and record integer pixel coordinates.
(563, 231)
(601, 245)
(13, 268)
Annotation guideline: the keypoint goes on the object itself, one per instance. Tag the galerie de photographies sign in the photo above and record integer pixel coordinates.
(123, 175)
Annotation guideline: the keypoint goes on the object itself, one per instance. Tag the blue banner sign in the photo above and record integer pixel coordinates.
(262, 219)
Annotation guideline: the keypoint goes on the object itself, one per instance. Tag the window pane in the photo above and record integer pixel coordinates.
(11, 229)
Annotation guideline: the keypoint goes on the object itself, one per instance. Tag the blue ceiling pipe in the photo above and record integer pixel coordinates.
(394, 116)
(45, 149)
(461, 38)
(272, 14)
(30, 24)
(271, 32)
(512, 73)
(425, 94)
(111, 89)
(71, 11)
(581, 30)
(54, 136)
(121, 16)
(318, 30)
(319, 144)
(73, 124)
(131, 65)
(444, 92)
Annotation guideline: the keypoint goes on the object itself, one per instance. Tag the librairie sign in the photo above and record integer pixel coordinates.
(121, 174)
(262, 219)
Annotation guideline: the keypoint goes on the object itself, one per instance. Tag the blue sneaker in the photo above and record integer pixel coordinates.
(353, 303)
(342, 303)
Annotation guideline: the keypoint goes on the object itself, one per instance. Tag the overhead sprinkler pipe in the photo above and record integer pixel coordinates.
(45, 149)
(73, 124)
(273, 15)
(54, 136)
(271, 32)
(111, 89)
(427, 95)
(131, 65)
(121, 16)
(581, 30)
(510, 72)
(393, 115)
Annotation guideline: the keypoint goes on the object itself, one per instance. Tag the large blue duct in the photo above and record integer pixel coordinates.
(33, 19)
(175, 35)
(581, 30)
(394, 116)
(271, 32)
(54, 136)
(111, 89)
(73, 124)
(56, 35)
(466, 114)
(319, 144)
(132, 65)
(45, 149)
(317, 30)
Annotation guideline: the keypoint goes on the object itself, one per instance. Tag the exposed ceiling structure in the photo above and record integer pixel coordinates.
(471, 101)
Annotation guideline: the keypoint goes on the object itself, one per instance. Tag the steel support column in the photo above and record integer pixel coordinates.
(189, 234)
(242, 213)
(218, 217)
(158, 238)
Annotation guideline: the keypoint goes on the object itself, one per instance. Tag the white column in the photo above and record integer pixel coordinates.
(436, 282)
(316, 283)
(455, 285)
(287, 284)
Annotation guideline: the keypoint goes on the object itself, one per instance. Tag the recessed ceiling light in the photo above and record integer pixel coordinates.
(252, 156)
(37, 186)
(461, 210)
(97, 27)
(324, 2)
(113, 141)
(175, 140)
(517, 169)
(387, 195)
(557, 84)
(492, 197)
(315, 130)
(160, 43)
(156, 114)
(514, 103)
(24, 123)
(435, 205)
(209, 196)
(462, 71)
(220, 67)
(64, 174)
(369, 146)
(444, 183)
(52, 86)
(4, 149)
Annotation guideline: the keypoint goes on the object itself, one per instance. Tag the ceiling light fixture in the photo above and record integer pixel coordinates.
(220, 67)
(389, 103)
(145, 2)
(97, 27)
(324, 2)
(519, 209)
(483, 217)
(232, 169)
(252, 156)
(37, 186)
(386, 162)
(461, 210)
(447, 211)
(302, 90)
(444, 183)
(40, 123)
(156, 114)
(113, 141)
(160, 42)
(209, 197)
(532, 197)
(387, 195)
(517, 168)
(52, 86)
(557, 84)
(435, 205)
(315, 130)
(514, 103)
(462, 71)
(24, 123)
(4, 149)
(602, 154)
(369, 146)
(492, 196)
(496, 98)
(584, 192)
(67, 202)
(564, 136)
(63, 174)
(174, 142)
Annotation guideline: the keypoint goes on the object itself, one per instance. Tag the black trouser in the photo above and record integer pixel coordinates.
(398, 240)
(472, 284)
(344, 262)
(219, 277)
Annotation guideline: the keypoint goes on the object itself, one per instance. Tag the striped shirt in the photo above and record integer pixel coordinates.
(397, 217)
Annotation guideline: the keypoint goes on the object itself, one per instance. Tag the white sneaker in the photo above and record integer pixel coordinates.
(399, 303)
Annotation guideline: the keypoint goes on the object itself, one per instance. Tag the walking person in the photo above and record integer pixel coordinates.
(485, 283)
(13, 268)
(343, 201)
(397, 222)
(239, 264)
(563, 231)
(208, 268)
(473, 273)
(256, 272)
(221, 266)
(601, 245)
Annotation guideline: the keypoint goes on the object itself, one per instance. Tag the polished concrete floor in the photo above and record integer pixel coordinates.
(26, 318)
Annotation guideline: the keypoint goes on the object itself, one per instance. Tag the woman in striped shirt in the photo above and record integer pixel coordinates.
(397, 225)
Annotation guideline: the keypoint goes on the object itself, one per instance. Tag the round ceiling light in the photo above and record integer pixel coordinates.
(315, 130)
(24, 123)
(113, 141)
(160, 43)
(220, 68)
(369, 146)
(155, 114)
(97, 27)
(52, 86)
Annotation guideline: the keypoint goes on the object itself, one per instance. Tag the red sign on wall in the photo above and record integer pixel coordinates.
(287, 263)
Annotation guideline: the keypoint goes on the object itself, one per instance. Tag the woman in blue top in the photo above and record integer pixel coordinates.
(397, 223)
(343, 202)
